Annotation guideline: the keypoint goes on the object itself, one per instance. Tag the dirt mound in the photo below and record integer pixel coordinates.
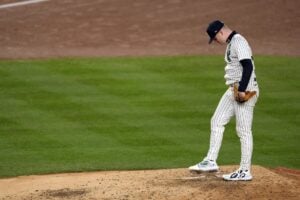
(153, 184)
(130, 27)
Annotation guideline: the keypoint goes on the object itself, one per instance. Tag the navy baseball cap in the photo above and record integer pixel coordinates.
(213, 28)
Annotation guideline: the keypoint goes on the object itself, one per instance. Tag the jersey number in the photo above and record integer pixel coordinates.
(228, 53)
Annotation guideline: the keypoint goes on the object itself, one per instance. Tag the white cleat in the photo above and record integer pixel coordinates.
(238, 175)
(205, 166)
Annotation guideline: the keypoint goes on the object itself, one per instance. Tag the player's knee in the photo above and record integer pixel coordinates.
(215, 122)
(243, 131)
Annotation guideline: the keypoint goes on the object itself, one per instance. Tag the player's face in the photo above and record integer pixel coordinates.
(220, 37)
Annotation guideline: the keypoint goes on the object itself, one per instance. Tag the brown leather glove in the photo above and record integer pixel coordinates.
(242, 99)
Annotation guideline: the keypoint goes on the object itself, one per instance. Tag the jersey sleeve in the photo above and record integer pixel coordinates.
(242, 48)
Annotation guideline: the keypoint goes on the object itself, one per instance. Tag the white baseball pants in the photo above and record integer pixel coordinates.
(243, 112)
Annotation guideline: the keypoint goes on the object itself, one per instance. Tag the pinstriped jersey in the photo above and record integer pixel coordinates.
(238, 49)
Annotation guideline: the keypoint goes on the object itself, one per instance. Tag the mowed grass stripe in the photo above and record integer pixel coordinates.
(54, 136)
(141, 96)
(52, 99)
(133, 113)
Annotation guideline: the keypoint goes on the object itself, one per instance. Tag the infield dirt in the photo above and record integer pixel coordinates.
(77, 28)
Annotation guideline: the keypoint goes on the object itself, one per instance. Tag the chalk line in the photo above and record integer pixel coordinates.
(20, 3)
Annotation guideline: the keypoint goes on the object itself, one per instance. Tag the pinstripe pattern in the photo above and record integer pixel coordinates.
(238, 49)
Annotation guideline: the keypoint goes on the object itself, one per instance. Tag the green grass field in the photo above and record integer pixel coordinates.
(67, 115)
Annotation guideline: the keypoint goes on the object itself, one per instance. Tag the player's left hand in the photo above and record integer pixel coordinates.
(242, 97)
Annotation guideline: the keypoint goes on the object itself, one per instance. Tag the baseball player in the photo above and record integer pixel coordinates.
(239, 101)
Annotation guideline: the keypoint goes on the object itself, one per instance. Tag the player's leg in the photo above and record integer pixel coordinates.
(244, 118)
(221, 117)
(223, 113)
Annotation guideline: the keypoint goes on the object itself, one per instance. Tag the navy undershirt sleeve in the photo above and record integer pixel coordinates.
(247, 71)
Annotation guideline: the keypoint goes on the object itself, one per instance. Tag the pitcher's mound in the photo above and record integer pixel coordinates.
(172, 184)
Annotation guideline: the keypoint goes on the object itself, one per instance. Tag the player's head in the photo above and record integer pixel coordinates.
(218, 31)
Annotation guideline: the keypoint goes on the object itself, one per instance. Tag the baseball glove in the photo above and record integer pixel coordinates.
(240, 99)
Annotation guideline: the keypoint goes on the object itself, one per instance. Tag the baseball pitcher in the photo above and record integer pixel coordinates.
(238, 100)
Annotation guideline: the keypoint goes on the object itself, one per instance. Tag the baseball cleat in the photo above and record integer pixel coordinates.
(205, 166)
(238, 175)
